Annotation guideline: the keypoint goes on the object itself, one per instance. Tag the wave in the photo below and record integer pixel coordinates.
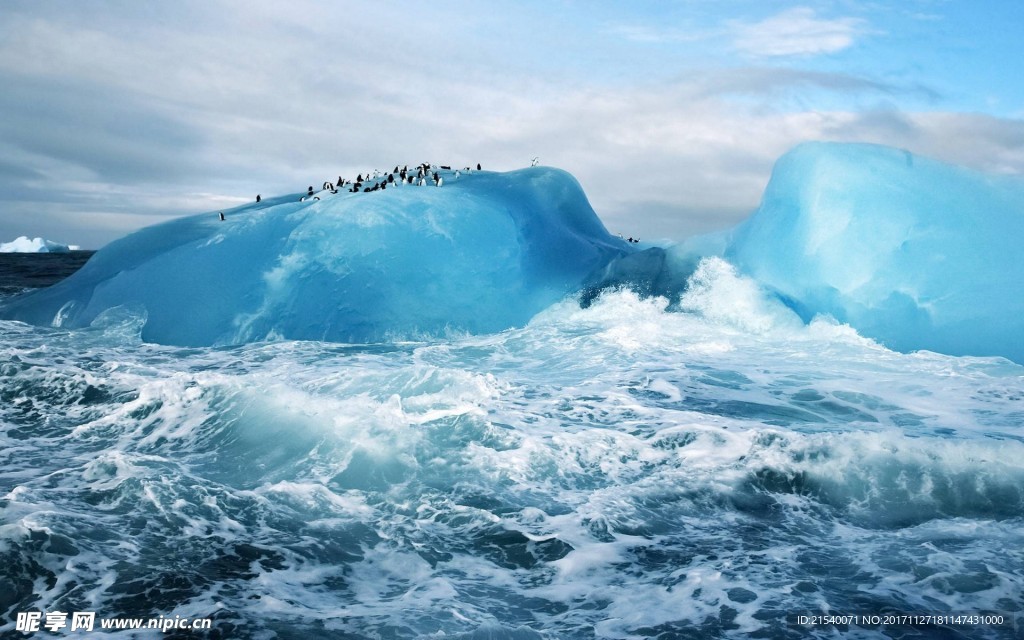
(633, 468)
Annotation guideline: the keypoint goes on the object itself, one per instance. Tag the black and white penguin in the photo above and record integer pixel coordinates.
(222, 216)
(257, 197)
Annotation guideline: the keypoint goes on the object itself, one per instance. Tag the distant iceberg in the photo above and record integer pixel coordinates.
(24, 244)
(481, 254)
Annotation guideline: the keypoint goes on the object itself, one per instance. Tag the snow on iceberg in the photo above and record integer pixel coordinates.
(24, 244)
(481, 254)
(909, 251)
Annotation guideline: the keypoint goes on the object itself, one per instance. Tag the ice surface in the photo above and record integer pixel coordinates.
(907, 250)
(24, 244)
(481, 254)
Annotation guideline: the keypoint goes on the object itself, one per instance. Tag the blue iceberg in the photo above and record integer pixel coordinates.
(909, 251)
(482, 253)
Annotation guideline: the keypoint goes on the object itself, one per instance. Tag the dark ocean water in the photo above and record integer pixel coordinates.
(20, 271)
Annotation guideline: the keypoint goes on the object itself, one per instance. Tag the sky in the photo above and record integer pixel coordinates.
(119, 114)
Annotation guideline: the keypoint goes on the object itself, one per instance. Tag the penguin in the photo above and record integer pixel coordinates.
(478, 166)
(457, 174)
(391, 177)
(423, 181)
(310, 190)
(440, 181)
(535, 161)
(447, 168)
(222, 216)
(257, 197)
(359, 178)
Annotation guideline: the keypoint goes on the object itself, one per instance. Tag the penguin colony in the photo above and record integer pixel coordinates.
(396, 177)
(420, 175)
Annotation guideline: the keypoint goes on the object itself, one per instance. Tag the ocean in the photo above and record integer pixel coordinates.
(632, 469)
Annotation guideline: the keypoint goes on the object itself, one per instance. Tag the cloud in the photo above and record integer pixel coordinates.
(795, 32)
(112, 120)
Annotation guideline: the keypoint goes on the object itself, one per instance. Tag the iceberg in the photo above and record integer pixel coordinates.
(483, 253)
(909, 251)
(24, 244)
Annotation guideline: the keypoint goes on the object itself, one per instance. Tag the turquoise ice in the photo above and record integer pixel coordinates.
(910, 251)
(480, 254)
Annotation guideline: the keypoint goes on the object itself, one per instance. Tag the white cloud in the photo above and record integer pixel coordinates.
(796, 32)
(143, 119)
